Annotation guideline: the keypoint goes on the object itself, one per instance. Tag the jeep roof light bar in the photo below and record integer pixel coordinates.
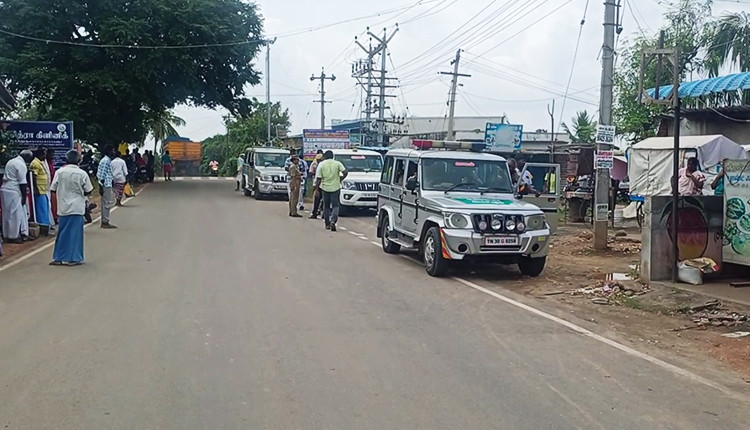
(447, 144)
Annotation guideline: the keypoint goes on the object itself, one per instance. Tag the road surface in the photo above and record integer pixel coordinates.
(209, 310)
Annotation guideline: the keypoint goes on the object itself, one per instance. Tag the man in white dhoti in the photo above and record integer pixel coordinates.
(13, 193)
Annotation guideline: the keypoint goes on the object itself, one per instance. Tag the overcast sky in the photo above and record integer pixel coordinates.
(519, 54)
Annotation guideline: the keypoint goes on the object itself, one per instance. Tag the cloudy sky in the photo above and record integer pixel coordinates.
(519, 53)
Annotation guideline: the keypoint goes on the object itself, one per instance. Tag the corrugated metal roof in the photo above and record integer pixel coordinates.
(703, 87)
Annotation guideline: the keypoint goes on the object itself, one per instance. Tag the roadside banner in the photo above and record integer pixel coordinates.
(503, 137)
(736, 240)
(57, 136)
(312, 140)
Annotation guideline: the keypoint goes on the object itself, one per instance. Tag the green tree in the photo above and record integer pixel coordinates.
(728, 43)
(161, 124)
(84, 74)
(685, 24)
(245, 131)
(583, 128)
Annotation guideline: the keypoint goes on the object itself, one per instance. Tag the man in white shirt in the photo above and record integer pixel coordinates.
(71, 185)
(119, 177)
(13, 193)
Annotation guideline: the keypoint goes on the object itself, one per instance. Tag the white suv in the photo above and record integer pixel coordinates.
(361, 186)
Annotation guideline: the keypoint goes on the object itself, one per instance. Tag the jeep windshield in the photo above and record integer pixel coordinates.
(271, 160)
(466, 176)
(361, 163)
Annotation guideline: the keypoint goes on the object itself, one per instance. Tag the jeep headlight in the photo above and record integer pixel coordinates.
(266, 178)
(536, 222)
(456, 220)
(348, 185)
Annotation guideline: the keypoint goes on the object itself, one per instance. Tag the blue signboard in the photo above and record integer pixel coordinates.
(57, 136)
(503, 137)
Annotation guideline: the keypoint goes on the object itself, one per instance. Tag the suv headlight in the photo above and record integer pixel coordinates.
(266, 178)
(456, 220)
(536, 222)
(348, 185)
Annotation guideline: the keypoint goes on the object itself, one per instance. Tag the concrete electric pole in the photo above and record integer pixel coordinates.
(603, 176)
(382, 49)
(269, 42)
(454, 86)
(322, 100)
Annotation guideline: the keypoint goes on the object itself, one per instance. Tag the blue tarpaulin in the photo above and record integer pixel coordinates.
(704, 87)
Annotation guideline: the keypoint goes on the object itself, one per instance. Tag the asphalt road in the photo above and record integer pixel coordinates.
(209, 310)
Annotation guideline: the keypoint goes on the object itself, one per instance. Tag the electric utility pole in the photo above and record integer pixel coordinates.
(454, 86)
(322, 100)
(269, 42)
(603, 176)
(382, 49)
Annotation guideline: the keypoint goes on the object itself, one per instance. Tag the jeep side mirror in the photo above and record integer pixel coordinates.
(412, 184)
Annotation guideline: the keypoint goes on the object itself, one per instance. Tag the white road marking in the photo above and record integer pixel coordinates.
(23, 258)
(354, 233)
(375, 243)
(614, 344)
(197, 178)
(213, 178)
(363, 237)
(343, 228)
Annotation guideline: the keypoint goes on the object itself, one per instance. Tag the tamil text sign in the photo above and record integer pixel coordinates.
(605, 160)
(57, 136)
(605, 134)
(503, 137)
(313, 140)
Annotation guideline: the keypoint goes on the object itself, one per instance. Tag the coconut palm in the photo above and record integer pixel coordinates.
(729, 43)
(161, 124)
(583, 128)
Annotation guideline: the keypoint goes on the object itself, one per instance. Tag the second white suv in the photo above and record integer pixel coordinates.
(361, 186)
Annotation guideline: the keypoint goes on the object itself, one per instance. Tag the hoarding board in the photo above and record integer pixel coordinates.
(736, 238)
(57, 136)
(503, 137)
(605, 134)
(605, 160)
(313, 140)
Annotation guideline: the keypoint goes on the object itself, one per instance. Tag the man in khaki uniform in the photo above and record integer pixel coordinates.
(295, 182)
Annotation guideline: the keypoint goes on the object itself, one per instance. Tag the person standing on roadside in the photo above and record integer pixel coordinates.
(119, 177)
(316, 197)
(166, 165)
(13, 194)
(106, 182)
(51, 170)
(690, 181)
(39, 191)
(295, 182)
(328, 179)
(240, 165)
(71, 186)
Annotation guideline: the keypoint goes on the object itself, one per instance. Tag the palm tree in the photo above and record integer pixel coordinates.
(161, 124)
(583, 128)
(729, 43)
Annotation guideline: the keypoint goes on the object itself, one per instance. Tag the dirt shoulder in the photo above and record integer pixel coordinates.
(666, 321)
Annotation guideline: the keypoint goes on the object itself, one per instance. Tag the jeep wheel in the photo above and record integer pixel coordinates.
(388, 246)
(532, 266)
(432, 253)
(256, 191)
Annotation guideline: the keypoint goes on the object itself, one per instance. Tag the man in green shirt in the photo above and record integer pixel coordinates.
(328, 177)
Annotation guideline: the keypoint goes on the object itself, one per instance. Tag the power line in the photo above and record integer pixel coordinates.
(573, 64)
(208, 45)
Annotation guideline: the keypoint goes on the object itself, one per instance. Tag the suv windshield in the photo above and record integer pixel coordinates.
(478, 175)
(361, 163)
(270, 160)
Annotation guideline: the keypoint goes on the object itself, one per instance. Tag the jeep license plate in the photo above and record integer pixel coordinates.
(500, 240)
(280, 187)
(370, 195)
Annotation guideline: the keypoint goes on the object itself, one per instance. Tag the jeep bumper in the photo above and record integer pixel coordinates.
(468, 243)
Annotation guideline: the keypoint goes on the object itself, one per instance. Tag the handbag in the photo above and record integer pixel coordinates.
(128, 191)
